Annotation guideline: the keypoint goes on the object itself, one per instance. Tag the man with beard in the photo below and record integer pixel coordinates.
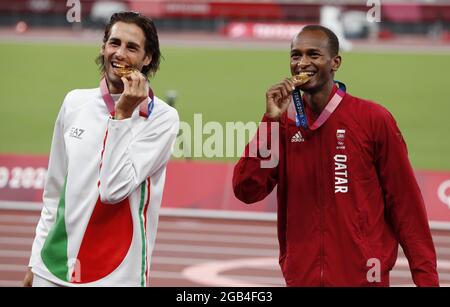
(107, 169)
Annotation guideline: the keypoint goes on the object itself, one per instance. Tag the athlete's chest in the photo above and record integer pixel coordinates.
(341, 148)
(85, 130)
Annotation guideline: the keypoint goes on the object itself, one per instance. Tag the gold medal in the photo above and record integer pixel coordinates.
(300, 79)
(124, 70)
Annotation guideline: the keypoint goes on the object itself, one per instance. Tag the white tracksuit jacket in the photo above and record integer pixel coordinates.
(102, 193)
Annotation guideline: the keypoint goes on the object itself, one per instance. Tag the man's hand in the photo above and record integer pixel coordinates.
(278, 98)
(134, 92)
(28, 279)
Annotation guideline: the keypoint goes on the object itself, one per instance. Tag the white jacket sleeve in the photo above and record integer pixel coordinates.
(54, 183)
(129, 159)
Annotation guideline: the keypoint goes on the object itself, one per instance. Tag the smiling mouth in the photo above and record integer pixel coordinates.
(122, 70)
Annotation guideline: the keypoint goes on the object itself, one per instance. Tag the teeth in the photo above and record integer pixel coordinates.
(118, 65)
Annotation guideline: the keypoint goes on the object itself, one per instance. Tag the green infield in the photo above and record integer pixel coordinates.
(224, 85)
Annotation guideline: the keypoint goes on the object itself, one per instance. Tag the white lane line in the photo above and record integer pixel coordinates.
(19, 218)
(10, 283)
(210, 273)
(258, 281)
(407, 274)
(441, 264)
(17, 229)
(412, 285)
(218, 238)
(442, 251)
(221, 250)
(401, 273)
(15, 253)
(21, 205)
(228, 228)
(16, 241)
(441, 239)
(177, 261)
(13, 268)
(219, 214)
(193, 261)
(439, 225)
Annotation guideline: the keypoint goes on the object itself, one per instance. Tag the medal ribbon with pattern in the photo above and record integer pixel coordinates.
(145, 108)
(300, 118)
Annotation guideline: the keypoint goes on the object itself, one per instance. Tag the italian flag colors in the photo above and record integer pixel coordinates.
(105, 243)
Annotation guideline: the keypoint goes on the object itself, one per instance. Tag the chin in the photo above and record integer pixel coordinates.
(308, 87)
(113, 77)
(311, 89)
(114, 80)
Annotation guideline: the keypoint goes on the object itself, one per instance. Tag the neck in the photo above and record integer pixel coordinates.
(319, 99)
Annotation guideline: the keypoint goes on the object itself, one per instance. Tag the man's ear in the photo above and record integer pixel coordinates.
(102, 50)
(147, 60)
(336, 63)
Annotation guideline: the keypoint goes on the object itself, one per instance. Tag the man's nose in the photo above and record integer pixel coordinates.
(303, 63)
(120, 52)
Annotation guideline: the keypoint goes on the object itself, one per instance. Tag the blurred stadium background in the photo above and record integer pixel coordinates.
(219, 59)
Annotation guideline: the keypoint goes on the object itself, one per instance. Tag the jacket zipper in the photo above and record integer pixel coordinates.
(322, 260)
(321, 218)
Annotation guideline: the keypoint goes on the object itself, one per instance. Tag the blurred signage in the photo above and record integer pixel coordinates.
(274, 31)
(222, 9)
(22, 177)
(40, 6)
(435, 187)
(245, 10)
(186, 8)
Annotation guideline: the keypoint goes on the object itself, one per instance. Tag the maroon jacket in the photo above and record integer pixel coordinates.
(347, 196)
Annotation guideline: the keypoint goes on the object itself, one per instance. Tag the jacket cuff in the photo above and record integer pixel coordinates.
(267, 119)
(425, 279)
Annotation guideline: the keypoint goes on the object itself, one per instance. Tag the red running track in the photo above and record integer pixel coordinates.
(197, 252)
